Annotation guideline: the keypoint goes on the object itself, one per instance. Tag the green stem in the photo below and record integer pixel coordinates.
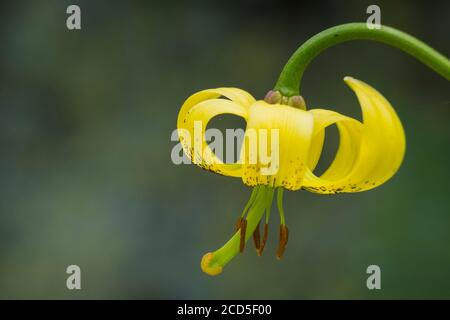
(290, 78)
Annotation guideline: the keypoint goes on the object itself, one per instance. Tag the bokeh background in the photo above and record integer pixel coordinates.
(86, 176)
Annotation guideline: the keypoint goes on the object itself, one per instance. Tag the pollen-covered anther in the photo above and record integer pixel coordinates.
(243, 229)
(264, 239)
(238, 224)
(257, 238)
(284, 235)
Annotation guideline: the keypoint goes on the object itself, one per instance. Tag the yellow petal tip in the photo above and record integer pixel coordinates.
(206, 265)
(349, 79)
(352, 82)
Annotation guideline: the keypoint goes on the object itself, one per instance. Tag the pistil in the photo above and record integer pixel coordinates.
(248, 225)
(213, 262)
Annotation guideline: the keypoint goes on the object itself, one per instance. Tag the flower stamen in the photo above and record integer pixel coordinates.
(213, 262)
(284, 232)
(266, 229)
(264, 239)
(284, 235)
(238, 224)
(243, 230)
(257, 237)
(280, 205)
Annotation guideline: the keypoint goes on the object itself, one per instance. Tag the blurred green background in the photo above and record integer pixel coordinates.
(86, 176)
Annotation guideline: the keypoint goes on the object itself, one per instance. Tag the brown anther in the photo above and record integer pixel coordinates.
(284, 235)
(257, 238)
(242, 238)
(238, 224)
(264, 240)
(273, 97)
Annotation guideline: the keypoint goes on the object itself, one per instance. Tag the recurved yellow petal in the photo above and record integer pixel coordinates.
(369, 153)
(193, 119)
(280, 156)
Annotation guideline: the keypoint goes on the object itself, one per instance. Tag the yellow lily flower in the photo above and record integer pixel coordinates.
(370, 152)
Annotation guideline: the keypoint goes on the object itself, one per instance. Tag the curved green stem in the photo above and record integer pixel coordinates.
(289, 81)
